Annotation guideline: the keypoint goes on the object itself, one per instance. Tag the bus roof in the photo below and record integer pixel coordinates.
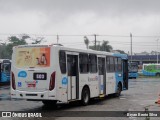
(72, 49)
(123, 56)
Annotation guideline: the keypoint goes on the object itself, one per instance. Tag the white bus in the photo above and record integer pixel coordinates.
(51, 73)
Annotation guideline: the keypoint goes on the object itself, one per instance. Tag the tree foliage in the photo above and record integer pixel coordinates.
(103, 47)
(120, 51)
(14, 41)
(6, 48)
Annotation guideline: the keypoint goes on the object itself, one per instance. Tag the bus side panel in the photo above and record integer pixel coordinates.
(92, 81)
(61, 87)
(110, 83)
(61, 79)
(148, 73)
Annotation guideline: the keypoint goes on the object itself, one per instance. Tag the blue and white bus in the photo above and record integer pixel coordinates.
(51, 73)
(133, 69)
(5, 68)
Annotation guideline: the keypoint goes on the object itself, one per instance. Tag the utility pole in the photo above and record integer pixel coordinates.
(131, 46)
(157, 50)
(95, 41)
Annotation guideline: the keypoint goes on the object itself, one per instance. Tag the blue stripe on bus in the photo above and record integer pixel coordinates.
(148, 73)
(123, 56)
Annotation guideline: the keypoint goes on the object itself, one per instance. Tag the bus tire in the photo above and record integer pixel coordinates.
(49, 102)
(85, 96)
(119, 89)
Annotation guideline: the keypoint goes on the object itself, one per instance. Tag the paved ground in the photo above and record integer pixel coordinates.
(141, 95)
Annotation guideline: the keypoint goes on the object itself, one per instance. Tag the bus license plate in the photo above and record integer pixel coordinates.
(40, 76)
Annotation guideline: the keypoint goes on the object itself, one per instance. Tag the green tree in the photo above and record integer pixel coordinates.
(3, 54)
(120, 51)
(103, 47)
(6, 48)
(15, 41)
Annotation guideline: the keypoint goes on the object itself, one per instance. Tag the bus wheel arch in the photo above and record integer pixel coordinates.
(119, 89)
(85, 95)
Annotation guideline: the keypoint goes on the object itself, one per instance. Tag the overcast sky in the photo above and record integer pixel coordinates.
(85, 17)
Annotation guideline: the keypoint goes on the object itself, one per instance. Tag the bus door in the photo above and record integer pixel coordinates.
(125, 74)
(73, 77)
(102, 75)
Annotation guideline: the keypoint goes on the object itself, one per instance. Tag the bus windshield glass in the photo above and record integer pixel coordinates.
(27, 57)
(133, 67)
(6, 67)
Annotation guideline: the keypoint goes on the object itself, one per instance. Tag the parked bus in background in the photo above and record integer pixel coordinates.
(133, 69)
(151, 69)
(5, 68)
(51, 73)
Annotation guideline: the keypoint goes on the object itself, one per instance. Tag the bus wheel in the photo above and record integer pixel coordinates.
(85, 96)
(119, 89)
(49, 102)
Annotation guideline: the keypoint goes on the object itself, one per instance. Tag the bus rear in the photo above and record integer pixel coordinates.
(32, 75)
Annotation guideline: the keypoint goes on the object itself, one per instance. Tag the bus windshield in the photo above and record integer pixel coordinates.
(32, 57)
(132, 67)
(6, 67)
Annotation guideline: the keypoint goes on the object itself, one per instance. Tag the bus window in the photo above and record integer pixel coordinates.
(6, 67)
(107, 64)
(93, 63)
(111, 64)
(83, 63)
(62, 61)
(116, 64)
(119, 65)
(71, 65)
